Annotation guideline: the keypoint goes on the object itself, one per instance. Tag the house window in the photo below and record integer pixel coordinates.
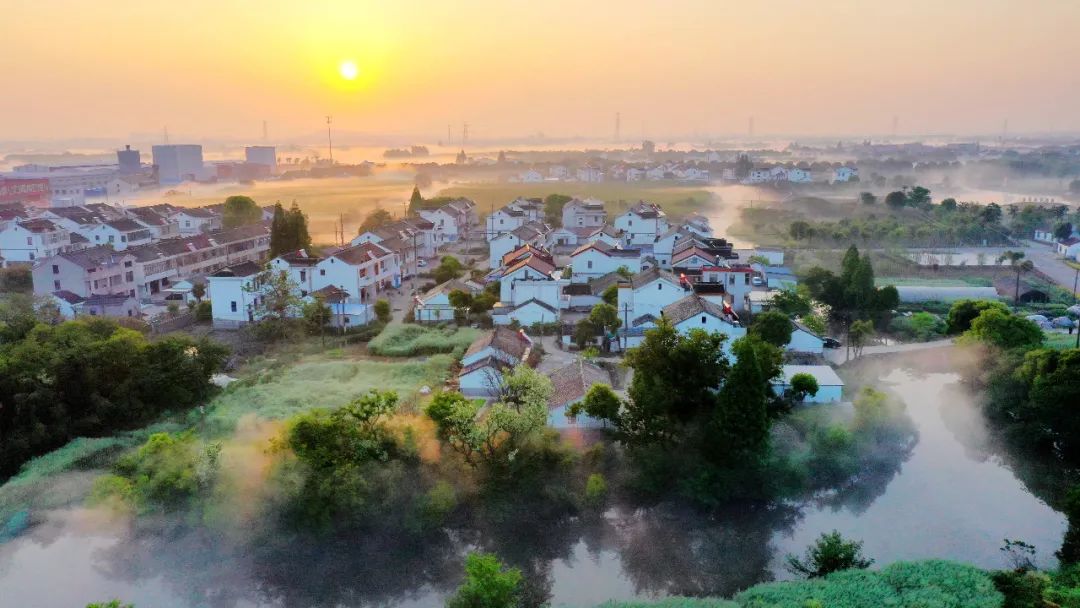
(703, 319)
(29, 240)
(127, 264)
(746, 279)
(303, 275)
(590, 264)
(56, 285)
(659, 286)
(232, 306)
(322, 272)
(55, 269)
(129, 276)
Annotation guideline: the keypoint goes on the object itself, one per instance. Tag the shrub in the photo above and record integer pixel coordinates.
(831, 553)
(414, 340)
(488, 584)
(595, 490)
(204, 312)
(382, 311)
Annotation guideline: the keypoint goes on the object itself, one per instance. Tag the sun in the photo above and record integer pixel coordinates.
(348, 69)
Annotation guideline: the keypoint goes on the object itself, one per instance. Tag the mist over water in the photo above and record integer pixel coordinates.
(953, 497)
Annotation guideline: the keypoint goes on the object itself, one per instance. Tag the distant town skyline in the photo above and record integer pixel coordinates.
(411, 69)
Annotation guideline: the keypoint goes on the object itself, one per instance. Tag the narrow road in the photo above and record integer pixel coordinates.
(836, 356)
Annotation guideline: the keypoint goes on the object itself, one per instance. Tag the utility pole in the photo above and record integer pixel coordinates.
(449, 136)
(618, 127)
(330, 140)
(464, 134)
(626, 325)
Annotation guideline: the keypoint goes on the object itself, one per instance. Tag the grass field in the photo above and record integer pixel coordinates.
(409, 340)
(1060, 341)
(677, 200)
(920, 282)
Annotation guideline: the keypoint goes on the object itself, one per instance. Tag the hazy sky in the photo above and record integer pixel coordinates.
(110, 68)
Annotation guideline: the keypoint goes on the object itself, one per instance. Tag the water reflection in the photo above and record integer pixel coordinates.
(953, 494)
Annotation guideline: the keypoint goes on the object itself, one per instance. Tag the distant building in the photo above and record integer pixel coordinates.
(262, 155)
(179, 162)
(29, 191)
(845, 174)
(130, 161)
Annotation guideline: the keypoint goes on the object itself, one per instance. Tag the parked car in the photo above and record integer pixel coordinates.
(831, 343)
(757, 281)
(422, 263)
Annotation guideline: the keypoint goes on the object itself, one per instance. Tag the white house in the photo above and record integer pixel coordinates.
(799, 176)
(558, 172)
(607, 234)
(642, 224)
(635, 174)
(364, 271)
(647, 293)
(300, 268)
(197, 219)
(234, 295)
(119, 234)
(780, 277)
(527, 313)
(698, 224)
(489, 357)
(451, 221)
(775, 257)
(571, 383)
(532, 177)
(759, 175)
(656, 174)
(830, 386)
(803, 340)
(1069, 248)
(692, 257)
(532, 267)
(844, 174)
(32, 240)
(778, 174)
(590, 174)
(695, 312)
(726, 283)
(1044, 234)
(588, 213)
(532, 233)
(434, 305)
(596, 259)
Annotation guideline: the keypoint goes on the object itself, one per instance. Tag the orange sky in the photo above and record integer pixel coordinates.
(109, 68)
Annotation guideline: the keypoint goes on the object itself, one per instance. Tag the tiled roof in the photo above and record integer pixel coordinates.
(300, 257)
(362, 253)
(39, 225)
(94, 256)
(331, 293)
(501, 338)
(243, 269)
(447, 287)
(494, 362)
(690, 306)
(648, 276)
(69, 297)
(125, 225)
(571, 382)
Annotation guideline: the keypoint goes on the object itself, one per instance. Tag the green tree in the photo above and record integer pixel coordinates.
(553, 208)
(859, 333)
(460, 300)
(239, 211)
(600, 402)
(831, 553)
(281, 237)
(963, 312)
(1018, 265)
(449, 268)
(298, 228)
(803, 386)
(743, 166)
(382, 311)
(375, 219)
(584, 333)
(278, 293)
(317, 315)
(111, 604)
(896, 200)
(1063, 230)
(948, 205)
(416, 201)
(867, 198)
(611, 295)
(790, 302)
(773, 327)
(1005, 330)
(741, 421)
(919, 198)
(606, 316)
(488, 584)
(595, 490)
(800, 230)
(198, 290)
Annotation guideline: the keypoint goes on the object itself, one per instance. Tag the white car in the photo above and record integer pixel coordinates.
(757, 281)
(421, 263)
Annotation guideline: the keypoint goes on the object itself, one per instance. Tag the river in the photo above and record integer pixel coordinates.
(953, 497)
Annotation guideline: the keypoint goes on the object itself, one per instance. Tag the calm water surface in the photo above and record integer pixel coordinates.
(952, 498)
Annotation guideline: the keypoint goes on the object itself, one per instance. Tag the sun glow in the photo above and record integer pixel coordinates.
(348, 70)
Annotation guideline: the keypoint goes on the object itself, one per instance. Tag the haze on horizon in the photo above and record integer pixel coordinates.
(834, 67)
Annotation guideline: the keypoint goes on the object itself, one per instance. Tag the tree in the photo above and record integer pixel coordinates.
(1063, 230)
(741, 421)
(584, 333)
(896, 200)
(991, 214)
(600, 402)
(1005, 330)
(281, 239)
(382, 311)
(948, 205)
(800, 230)
(605, 316)
(773, 327)
(198, 290)
(488, 584)
(375, 219)
(460, 300)
(859, 334)
(743, 165)
(449, 268)
(240, 211)
(831, 553)
(919, 198)
(963, 312)
(611, 295)
(553, 208)
(111, 604)
(278, 293)
(317, 315)
(802, 386)
(867, 198)
(298, 228)
(1019, 265)
(790, 302)
(416, 201)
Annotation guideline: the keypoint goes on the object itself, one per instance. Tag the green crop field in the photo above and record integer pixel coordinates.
(677, 199)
